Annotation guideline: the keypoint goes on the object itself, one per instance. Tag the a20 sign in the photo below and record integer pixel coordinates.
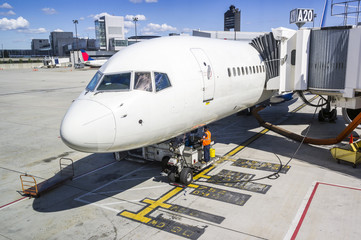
(300, 15)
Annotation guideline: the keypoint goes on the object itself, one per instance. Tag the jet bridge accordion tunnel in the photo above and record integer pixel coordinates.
(324, 61)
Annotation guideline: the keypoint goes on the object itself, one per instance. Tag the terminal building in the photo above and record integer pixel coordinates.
(59, 42)
(109, 32)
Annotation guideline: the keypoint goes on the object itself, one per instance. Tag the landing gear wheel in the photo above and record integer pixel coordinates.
(186, 176)
(333, 115)
(325, 115)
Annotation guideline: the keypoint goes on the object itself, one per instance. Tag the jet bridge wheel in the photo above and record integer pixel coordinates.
(186, 176)
(325, 115)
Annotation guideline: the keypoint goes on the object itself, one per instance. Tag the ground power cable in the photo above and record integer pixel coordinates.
(276, 175)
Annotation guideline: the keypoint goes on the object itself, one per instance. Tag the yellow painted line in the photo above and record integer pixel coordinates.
(236, 150)
(153, 204)
(264, 131)
(202, 174)
(140, 216)
(247, 142)
(304, 104)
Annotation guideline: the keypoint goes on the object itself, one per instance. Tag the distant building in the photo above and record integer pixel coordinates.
(40, 47)
(135, 39)
(60, 42)
(109, 32)
(227, 35)
(40, 44)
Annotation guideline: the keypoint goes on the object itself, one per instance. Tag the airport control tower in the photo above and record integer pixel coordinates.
(232, 19)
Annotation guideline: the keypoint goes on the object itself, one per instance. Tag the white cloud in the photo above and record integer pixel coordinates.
(58, 30)
(8, 13)
(13, 24)
(128, 24)
(81, 18)
(90, 29)
(97, 16)
(153, 27)
(33, 31)
(151, 1)
(49, 11)
(6, 5)
(140, 17)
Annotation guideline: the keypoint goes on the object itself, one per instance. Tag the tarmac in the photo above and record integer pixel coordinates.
(244, 195)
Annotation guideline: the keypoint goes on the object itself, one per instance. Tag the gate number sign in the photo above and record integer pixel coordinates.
(300, 15)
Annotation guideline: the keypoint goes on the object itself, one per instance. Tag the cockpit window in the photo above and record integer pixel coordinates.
(120, 81)
(142, 81)
(94, 82)
(161, 81)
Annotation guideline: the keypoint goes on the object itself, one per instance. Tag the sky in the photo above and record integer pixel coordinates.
(24, 20)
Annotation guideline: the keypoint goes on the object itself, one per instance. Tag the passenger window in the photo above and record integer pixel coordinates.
(250, 70)
(115, 82)
(238, 71)
(254, 70)
(142, 81)
(242, 71)
(234, 72)
(246, 70)
(229, 72)
(94, 82)
(161, 81)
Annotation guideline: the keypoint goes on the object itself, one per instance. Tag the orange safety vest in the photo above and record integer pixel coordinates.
(207, 139)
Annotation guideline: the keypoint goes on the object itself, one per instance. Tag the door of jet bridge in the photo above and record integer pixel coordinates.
(207, 73)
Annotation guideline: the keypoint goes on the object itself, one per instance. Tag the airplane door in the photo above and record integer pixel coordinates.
(207, 73)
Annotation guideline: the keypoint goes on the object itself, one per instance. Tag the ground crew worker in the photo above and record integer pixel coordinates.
(206, 141)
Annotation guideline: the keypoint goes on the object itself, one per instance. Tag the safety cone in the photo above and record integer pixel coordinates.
(351, 139)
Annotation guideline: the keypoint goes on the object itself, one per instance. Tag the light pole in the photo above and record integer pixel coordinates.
(135, 19)
(76, 36)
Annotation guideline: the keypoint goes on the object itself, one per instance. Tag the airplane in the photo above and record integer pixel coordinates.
(88, 61)
(159, 89)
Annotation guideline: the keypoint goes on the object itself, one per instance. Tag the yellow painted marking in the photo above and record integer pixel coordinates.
(304, 104)
(153, 204)
(236, 150)
(239, 148)
(160, 202)
(264, 131)
(202, 174)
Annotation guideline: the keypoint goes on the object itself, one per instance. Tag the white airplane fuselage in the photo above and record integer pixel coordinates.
(209, 79)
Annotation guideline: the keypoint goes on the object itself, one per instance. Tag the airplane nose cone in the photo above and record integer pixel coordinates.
(88, 126)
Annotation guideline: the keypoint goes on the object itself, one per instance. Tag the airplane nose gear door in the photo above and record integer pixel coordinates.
(207, 73)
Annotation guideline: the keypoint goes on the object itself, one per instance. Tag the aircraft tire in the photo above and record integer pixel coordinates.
(186, 176)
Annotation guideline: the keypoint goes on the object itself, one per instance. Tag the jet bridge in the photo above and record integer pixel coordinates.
(324, 61)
